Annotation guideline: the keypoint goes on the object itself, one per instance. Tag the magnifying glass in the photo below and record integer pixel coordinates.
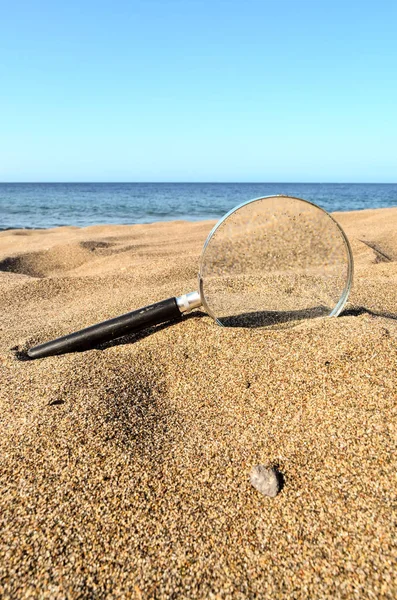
(270, 262)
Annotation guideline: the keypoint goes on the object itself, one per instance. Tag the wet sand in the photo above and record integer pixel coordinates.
(125, 469)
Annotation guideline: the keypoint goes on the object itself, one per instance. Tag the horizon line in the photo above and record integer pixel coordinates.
(208, 182)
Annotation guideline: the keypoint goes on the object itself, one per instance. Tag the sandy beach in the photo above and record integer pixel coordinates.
(125, 470)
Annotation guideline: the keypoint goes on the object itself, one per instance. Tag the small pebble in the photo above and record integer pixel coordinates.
(266, 480)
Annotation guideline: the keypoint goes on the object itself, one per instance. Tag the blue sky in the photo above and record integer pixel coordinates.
(198, 90)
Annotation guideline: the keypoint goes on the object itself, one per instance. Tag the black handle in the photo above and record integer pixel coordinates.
(166, 310)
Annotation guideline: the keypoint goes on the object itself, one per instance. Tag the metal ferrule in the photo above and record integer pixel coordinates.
(188, 302)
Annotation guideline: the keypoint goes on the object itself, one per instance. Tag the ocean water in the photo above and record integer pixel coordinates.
(43, 205)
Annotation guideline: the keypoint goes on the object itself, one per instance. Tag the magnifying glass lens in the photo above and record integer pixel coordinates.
(275, 261)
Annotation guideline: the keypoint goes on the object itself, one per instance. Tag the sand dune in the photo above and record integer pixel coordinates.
(125, 469)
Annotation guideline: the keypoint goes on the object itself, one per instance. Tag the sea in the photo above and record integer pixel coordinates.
(44, 205)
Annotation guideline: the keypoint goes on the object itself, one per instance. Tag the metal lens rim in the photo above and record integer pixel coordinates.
(350, 266)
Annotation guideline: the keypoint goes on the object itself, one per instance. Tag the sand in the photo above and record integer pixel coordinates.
(125, 471)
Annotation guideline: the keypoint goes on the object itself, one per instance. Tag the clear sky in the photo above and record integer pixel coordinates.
(198, 90)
